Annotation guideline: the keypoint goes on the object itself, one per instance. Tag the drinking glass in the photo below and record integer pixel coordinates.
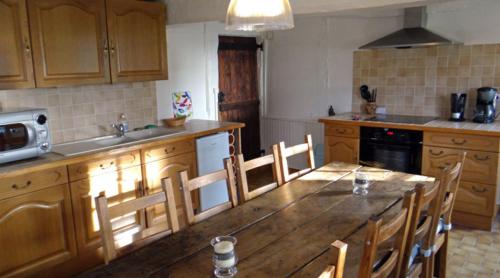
(360, 183)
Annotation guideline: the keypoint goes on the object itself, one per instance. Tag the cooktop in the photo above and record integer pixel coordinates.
(400, 119)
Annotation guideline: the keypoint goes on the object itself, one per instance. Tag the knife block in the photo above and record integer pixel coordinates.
(370, 108)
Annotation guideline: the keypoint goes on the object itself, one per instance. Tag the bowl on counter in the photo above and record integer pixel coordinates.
(173, 122)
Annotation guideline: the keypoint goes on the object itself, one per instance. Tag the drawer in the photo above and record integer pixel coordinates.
(481, 167)
(97, 167)
(342, 130)
(10, 187)
(476, 198)
(462, 141)
(168, 150)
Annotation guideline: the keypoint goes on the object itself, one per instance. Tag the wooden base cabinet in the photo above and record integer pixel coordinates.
(36, 231)
(120, 186)
(475, 205)
(156, 171)
(341, 149)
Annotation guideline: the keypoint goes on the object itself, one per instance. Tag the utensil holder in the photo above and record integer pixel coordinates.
(370, 108)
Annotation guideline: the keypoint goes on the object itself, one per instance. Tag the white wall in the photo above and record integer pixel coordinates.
(467, 21)
(310, 67)
(193, 66)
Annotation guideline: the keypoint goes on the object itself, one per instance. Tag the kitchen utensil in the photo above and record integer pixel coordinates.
(486, 105)
(458, 107)
(365, 92)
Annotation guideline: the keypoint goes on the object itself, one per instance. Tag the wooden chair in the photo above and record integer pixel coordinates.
(285, 153)
(436, 247)
(335, 269)
(106, 213)
(189, 185)
(420, 226)
(395, 231)
(244, 166)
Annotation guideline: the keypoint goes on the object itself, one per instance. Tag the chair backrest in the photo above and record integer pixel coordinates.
(285, 153)
(244, 166)
(189, 185)
(106, 213)
(378, 233)
(450, 180)
(335, 269)
(420, 222)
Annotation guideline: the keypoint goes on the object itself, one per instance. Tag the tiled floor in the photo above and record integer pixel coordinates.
(474, 253)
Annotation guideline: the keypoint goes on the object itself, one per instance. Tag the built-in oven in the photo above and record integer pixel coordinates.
(392, 149)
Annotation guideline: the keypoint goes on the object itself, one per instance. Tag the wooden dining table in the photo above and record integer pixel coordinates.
(285, 232)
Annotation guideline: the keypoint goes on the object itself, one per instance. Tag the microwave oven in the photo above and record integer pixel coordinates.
(24, 133)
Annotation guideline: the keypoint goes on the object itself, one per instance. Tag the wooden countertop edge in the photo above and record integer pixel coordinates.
(63, 161)
(412, 127)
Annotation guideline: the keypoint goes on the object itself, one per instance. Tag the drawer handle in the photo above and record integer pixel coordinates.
(446, 165)
(340, 130)
(438, 153)
(477, 157)
(167, 151)
(478, 190)
(17, 187)
(110, 165)
(457, 142)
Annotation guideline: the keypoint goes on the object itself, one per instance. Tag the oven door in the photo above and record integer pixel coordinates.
(16, 136)
(401, 158)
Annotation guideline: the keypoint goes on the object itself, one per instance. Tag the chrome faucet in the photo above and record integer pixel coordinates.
(120, 129)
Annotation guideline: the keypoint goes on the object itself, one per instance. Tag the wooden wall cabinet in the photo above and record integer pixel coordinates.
(16, 65)
(137, 40)
(36, 231)
(69, 42)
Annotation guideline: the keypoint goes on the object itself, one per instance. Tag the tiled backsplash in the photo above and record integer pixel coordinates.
(419, 81)
(87, 111)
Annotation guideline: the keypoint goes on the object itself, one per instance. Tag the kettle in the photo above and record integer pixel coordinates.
(458, 101)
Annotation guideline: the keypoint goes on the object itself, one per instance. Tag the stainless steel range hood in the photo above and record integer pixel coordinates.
(414, 33)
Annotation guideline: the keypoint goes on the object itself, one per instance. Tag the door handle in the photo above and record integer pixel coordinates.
(457, 142)
(220, 97)
(478, 190)
(477, 157)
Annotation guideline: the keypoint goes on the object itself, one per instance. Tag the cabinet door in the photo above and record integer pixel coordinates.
(476, 198)
(16, 66)
(137, 40)
(169, 168)
(119, 186)
(341, 149)
(36, 231)
(69, 42)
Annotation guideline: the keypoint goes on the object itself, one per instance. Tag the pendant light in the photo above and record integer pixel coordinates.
(259, 15)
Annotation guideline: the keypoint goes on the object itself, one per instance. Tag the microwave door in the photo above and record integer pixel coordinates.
(15, 136)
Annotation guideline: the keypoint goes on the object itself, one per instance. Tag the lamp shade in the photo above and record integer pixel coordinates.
(259, 15)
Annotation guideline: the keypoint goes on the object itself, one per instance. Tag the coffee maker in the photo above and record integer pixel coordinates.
(486, 105)
(458, 101)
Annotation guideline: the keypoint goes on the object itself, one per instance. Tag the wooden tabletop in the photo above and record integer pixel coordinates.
(285, 232)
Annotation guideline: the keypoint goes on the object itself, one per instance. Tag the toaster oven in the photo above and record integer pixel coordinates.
(24, 133)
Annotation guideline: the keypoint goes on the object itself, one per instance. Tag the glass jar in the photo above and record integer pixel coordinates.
(360, 183)
(224, 258)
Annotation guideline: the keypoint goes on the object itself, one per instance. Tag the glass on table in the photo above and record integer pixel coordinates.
(224, 258)
(360, 183)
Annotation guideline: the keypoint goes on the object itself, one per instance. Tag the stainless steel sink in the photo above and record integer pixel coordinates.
(109, 142)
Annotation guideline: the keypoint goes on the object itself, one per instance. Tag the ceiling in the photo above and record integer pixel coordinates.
(188, 11)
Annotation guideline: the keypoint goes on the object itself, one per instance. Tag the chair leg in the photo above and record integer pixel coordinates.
(427, 267)
(440, 270)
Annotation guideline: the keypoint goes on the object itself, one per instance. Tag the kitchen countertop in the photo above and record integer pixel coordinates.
(192, 129)
(441, 125)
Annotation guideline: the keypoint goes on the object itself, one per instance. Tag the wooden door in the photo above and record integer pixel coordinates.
(36, 231)
(169, 168)
(137, 40)
(341, 149)
(239, 93)
(69, 42)
(119, 186)
(16, 65)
